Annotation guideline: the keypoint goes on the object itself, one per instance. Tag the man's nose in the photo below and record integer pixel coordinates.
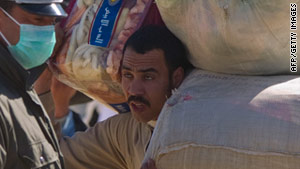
(136, 88)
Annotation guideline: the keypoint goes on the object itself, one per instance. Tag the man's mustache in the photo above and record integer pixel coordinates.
(138, 99)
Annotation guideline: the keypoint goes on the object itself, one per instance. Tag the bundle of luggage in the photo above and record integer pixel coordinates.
(95, 33)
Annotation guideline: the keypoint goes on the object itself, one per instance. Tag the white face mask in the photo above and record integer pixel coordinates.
(35, 46)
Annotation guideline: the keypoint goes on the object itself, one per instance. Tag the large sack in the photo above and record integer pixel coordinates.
(247, 37)
(217, 121)
(95, 33)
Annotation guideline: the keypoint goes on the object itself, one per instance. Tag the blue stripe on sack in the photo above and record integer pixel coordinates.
(104, 23)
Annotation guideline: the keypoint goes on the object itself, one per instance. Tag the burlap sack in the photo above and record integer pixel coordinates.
(246, 37)
(217, 121)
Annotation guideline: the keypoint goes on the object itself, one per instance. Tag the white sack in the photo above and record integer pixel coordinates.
(247, 37)
(217, 121)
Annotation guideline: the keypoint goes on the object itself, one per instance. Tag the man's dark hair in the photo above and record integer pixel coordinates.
(159, 37)
(7, 5)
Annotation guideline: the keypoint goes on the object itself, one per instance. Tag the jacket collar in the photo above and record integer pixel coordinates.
(14, 72)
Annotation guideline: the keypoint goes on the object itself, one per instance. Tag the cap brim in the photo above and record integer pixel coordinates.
(52, 9)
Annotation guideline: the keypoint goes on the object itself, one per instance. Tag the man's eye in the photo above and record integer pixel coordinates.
(127, 75)
(148, 77)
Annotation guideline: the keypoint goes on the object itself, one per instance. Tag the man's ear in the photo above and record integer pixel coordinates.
(177, 77)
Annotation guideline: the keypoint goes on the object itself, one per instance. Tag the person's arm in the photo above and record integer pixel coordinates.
(95, 148)
(98, 147)
(55, 97)
(62, 95)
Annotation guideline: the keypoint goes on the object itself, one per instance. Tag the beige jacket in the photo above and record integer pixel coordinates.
(117, 143)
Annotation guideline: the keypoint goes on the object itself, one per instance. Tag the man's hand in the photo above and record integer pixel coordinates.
(62, 95)
(149, 164)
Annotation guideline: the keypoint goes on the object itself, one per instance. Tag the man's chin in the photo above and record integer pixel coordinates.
(139, 117)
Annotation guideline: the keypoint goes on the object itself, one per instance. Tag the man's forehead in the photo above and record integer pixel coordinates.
(150, 59)
(140, 69)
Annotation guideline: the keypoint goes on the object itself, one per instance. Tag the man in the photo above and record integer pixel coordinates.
(27, 39)
(154, 62)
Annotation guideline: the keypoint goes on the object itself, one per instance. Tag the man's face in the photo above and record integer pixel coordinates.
(145, 82)
(12, 31)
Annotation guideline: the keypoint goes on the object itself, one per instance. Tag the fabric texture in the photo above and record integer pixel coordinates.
(218, 121)
(246, 37)
(117, 143)
(27, 139)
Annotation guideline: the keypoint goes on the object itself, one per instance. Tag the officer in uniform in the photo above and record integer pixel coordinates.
(27, 39)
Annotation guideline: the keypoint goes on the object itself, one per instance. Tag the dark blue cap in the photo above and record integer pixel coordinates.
(43, 7)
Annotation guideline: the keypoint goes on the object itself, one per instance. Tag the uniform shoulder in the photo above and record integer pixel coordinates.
(122, 116)
(119, 119)
(125, 121)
